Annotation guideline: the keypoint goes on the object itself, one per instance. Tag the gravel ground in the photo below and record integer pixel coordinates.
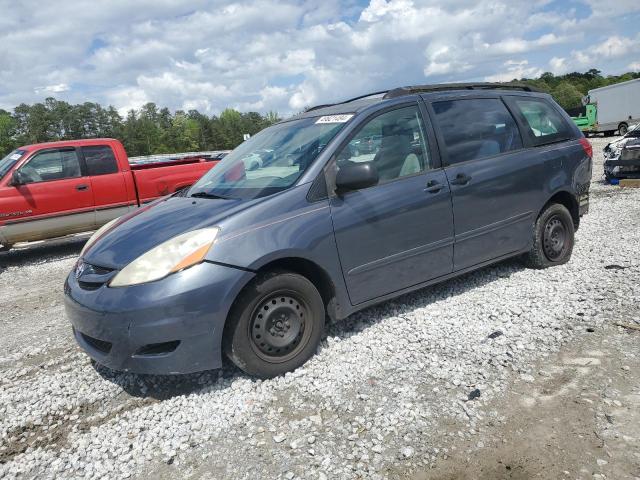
(386, 396)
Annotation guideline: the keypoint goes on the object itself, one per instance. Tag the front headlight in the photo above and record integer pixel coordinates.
(97, 235)
(169, 257)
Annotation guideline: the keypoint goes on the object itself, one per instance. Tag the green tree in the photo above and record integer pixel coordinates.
(7, 133)
(567, 95)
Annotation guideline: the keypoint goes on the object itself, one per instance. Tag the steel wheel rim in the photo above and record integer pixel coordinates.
(554, 238)
(279, 327)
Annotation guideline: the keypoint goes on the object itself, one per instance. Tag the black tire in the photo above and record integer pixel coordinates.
(275, 325)
(553, 238)
(623, 128)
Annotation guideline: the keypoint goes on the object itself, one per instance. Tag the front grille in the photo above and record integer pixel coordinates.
(92, 277)
(100, 345)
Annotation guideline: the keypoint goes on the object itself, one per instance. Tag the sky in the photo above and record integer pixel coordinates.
(283, 56)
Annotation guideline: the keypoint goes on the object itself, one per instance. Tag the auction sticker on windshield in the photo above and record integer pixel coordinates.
(335, 118)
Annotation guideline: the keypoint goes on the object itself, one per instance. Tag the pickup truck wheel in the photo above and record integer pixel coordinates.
(553, 238)
(623, 128)
(275, 325)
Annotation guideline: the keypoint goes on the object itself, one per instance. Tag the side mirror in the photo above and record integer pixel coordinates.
(17, 178)
(355, 176)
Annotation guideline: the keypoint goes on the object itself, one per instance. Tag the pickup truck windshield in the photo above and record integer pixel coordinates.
(269, 162)
(9, 161)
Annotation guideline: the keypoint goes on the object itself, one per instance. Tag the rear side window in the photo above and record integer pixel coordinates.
(100, 160)
(476, 128)
(543, 123)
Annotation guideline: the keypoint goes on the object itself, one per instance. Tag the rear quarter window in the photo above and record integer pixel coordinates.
(475, 128)
(542, 122)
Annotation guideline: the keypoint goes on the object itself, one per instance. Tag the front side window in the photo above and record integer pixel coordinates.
(394, 142)
(476, 128)
(271, 161)
(100, 160)
(9, 161)
(51, 165)
(545, 124)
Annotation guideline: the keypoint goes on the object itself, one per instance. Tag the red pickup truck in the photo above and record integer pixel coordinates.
(55, 189)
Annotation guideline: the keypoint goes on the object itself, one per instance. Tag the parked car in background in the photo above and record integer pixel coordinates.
(626, 164)
(54, 189)
(258, 159)
(248, 263)
(365, 145)
(208, 156)
(612, 150)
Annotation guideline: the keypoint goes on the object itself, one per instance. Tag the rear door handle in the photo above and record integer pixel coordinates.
(461, 179)
(80, 188)
(433, 187)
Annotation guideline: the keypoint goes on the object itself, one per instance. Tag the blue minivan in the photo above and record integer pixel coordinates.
(249, 262)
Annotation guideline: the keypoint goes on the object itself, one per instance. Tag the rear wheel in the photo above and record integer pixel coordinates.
(553, 238)
(275, 325)
(623, 128)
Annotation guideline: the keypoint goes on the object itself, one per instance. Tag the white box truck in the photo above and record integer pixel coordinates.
(616, 106)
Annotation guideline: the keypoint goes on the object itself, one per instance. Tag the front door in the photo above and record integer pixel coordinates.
(53, 198)
(398, 233)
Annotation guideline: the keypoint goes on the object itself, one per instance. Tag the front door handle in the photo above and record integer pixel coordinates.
(81, 188)
(461, 179)
(433, 187)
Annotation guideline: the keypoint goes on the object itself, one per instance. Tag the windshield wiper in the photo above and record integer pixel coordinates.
(208, 195)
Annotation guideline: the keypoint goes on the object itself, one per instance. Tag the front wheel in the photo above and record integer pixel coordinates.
(553, 238)
(276, 324)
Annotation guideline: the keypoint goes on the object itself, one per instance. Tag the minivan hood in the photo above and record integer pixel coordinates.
(154, 224)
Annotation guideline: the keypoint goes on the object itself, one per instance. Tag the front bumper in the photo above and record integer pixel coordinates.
(171, 326)
(622, 168)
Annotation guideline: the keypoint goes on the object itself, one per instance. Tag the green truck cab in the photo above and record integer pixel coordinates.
(587, 118)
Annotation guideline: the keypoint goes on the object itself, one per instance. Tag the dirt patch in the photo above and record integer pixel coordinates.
(579, 418)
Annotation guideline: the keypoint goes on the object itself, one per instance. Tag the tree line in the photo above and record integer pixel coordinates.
(151, 130)
(569, 89)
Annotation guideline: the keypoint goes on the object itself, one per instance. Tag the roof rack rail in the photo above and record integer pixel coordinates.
(399, 92)
(316, 107)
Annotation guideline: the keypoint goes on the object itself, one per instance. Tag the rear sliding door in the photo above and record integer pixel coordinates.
(494, 180)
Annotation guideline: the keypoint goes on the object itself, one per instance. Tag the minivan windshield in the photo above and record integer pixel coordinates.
(271, 161)
(9, 161)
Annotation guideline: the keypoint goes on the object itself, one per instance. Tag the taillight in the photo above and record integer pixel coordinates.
(588, 149)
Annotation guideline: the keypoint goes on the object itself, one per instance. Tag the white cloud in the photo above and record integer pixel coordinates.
(615, 46)
(515, 70)
(287, 54)
(634, 66)
(558, 65)
(50, 89)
